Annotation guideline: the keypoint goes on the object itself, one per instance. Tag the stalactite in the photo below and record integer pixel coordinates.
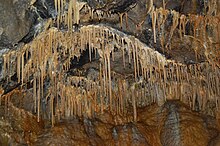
(1, 95)
(120, 101)
(61, 5)
(38, 101)
(113, 55)
(193, 98)
(74, 106)
(134, 59)
(76, 11)
(164, 4)
(90, 52)
(58, 13)
(126, 20)
(154, 20)
(182, 25)
(137, 60)
(109, 77)
(42, 82)
(91, 11)
(22, 68)
(5, 57)
(55, 3)
(70, 9)
(71, 106)
(18, 68)
(197, 22)
(177, 73)
(77, 6)
(52, 110)
(134, 104)
(123, 52)
(35, 94)
(129, 52)
(162, 75)
(175, 23)
(8, 66)
(95, 102)
(105, 76)
(121, 19)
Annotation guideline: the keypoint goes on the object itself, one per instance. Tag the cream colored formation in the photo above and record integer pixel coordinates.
(206, 40)
(157, 79)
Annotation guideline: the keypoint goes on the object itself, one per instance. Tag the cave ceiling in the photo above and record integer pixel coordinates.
(107, 66)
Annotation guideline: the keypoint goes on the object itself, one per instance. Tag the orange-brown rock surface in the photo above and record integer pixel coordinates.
(171, 124)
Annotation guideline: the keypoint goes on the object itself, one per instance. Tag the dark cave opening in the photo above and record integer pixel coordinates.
(83, 59)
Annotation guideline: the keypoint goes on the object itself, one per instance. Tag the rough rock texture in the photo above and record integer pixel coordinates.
(171, 124)
(15, 21)
(112, 5)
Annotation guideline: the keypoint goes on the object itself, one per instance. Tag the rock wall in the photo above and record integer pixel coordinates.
(15, 21)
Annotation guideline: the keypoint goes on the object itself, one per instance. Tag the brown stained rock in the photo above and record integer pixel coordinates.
(218, 5)
(103, 130)
(216, 141)
(172, 124)
(150, 133)
(24, 125)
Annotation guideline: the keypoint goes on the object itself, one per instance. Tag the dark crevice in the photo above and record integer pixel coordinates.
(83, 59)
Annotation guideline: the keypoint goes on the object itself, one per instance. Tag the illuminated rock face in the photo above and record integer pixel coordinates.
(166, 125)
(90, 63)
(171, 124)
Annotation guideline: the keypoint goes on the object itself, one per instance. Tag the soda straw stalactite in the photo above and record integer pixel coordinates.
(164, 4)
(134, 59)
(38, 100)
(22, 68)
(18, 68)
(109, 77)
(154, 20)
(123, 52)
(182, 26)
(134, 102)
(35, 94)
(121, 19)
(70, 13)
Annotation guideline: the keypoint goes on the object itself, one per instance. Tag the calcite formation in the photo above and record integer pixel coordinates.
(49, 55)
(44, 64)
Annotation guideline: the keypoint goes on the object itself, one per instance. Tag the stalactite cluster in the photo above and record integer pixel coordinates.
(162, 79)
(200, 30)
(157, 79)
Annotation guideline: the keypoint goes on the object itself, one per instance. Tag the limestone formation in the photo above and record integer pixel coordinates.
(95, 60)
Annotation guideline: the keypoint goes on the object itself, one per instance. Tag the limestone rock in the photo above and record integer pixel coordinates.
(15, 20)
